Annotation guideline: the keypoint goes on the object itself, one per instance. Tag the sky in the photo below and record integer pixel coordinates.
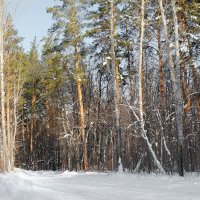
(30, 18)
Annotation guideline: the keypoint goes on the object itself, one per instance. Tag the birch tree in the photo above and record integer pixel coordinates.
(175, 76)
(4, 150)
(71, 115)
(141, 106)
(115, 71)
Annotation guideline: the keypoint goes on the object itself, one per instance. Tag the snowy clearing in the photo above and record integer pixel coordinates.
(28, 185)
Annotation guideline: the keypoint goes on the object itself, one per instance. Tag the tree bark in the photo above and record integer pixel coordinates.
(47, 104)
(115, 73)
(114, 64)
(194, 73)
(162, 88)
(141, 108)
(8, 117)
(175, 76)
(4, 148)
(79, 86)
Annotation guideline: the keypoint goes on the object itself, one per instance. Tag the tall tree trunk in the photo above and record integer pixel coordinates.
(47, 104)
(33, 126)
(141, 108)
(175, 76)
(79, 87)
(114, 65)
(130, 74)
(186, 91)
(15, 125)
(194, 73)
(8, 117)
(4, 148)
(179, 100)
(162, 91)
(115, 73)
(22, 127)
(160, 66)
(140, 68)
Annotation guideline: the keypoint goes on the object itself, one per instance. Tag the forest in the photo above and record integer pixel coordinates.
(116, 82)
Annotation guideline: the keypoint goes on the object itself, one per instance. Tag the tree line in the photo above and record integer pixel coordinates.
(115, 82)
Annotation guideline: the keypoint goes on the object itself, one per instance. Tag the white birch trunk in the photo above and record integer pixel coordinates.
(175, 76)
(140, 68)
(141, 110)
(5, 161)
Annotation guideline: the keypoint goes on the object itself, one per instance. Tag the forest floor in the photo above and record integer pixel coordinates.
(29, 185)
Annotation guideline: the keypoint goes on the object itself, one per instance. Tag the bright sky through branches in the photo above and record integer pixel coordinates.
(30, 18)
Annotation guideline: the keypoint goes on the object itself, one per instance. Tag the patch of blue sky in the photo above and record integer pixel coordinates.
(30, 19)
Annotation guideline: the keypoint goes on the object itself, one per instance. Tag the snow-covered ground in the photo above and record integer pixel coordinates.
(28, 185)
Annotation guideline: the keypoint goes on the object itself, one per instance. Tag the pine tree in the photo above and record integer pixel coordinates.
(67, 15)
